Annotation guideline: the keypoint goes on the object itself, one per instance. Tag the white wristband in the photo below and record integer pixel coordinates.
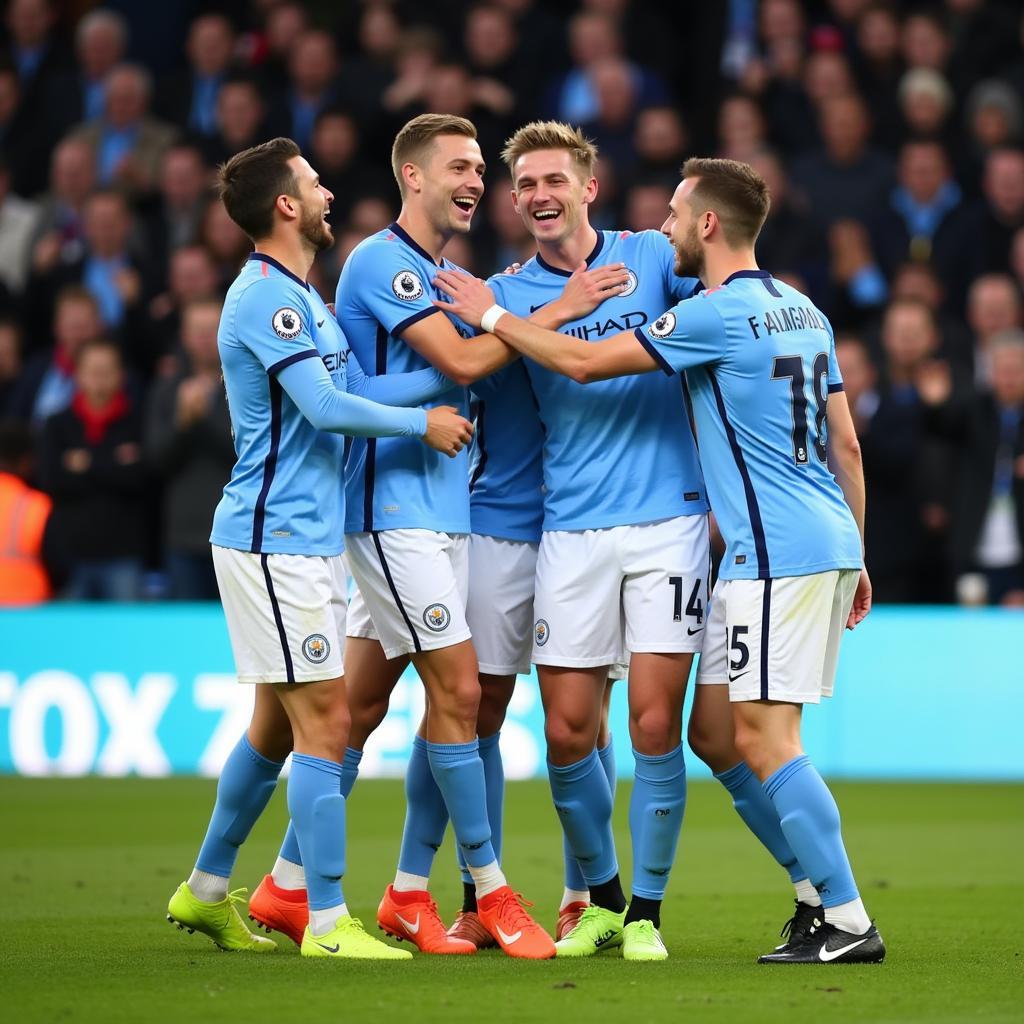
(490, 319)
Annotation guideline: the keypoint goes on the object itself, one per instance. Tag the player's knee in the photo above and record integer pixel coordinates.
(568, 741)
(365, 719)
(491, 715)
(654, 730)
(460, 700)
(716, 751)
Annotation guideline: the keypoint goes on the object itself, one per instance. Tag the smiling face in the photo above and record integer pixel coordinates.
(682, 229)
(551, 195)
(451, 182)
(314, 205)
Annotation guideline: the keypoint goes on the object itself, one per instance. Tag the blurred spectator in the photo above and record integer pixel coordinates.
(188, 99)
(878, 65)
(101, 42)
(36, 54)
(225, 241)
(10, 364)
(18, 221)
(1017, 257)
(993, 307)
(1003, 188)
(917, 282)
(418, 54)
(189, 443)
(647, 206)
(660, 144)
(240, 116)
(617, 102)
(504, 82)
(994, 115)
(926, 102)
(925, 42)
(285, 24)
(987, 536)
(336, 155)
(741, 128)
(313, 86)
(926, 219)
(91, 465)
(127, 141)
(24, 141)
(60, 231)
(24, 513)
(847, 178)
(47, 383)
(827, 74)
(858, 286)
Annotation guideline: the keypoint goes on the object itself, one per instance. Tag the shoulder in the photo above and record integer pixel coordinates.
(383, 248)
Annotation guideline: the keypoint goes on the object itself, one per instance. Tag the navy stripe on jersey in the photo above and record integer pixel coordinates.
(419, 315)
(262, 257)
(598, 246)
(481, 440)
(380, 367)
(641, 335)
(766, 615)
(295, 357)
(404, 235)
(394, 591)
(753, 510)
(276, 608)
(269, 466)
(833, 388)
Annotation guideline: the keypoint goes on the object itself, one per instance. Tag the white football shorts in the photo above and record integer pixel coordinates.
(777, 639)
(643, 586)
(285, 614)
(413, 587)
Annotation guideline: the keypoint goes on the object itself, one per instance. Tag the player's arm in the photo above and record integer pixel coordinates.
(396, 388)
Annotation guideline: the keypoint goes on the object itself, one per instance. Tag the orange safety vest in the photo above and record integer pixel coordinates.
(23, 515)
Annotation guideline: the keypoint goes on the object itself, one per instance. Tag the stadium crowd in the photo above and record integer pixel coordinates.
(891, 135)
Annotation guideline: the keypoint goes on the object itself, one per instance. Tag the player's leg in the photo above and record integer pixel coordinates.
(791, 661)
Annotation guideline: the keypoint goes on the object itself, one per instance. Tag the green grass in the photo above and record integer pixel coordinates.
(87, 866)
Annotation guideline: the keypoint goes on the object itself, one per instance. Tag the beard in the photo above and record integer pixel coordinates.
(690, 256)
(315, 230)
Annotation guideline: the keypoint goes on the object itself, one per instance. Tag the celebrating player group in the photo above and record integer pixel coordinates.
(576, 538)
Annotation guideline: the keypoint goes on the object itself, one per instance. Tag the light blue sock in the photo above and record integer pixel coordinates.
(459, 774)
(810, 822)
(349, 770)
(247, 782)
(583, 800)
(573, 872)
(494, 780)
(426, 816)
(756, 810)
(318, 811)
(656, 811)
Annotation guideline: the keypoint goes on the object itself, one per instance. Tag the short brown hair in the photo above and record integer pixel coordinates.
(251, 181)
(552, 135)
(417, 135)
(736, 193)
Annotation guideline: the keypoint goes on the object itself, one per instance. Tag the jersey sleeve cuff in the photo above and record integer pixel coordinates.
(666, 366)
(419, 315)
(833, 388)
(295, 357)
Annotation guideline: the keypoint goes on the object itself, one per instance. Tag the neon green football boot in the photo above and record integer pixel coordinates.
(642, 941)
(348, 941)
(596, 930)
(221, 920)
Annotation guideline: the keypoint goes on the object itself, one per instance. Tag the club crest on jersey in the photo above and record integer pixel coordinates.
(631, 284)
(407, 286)
(316, 648)
(287, 323)
(663, 326)
(436, 617)
(541, 632)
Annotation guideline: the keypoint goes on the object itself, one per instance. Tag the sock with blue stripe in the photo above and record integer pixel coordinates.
(656, 811)
(759, 815)
(426, 818)
(494, 782)
(575, 883)
(318, 811)
(247, 782)
(810, 822)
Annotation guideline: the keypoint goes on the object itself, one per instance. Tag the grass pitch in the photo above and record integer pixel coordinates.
(87, 867)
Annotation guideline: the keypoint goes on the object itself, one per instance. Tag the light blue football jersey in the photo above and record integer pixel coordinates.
(506, 482)
(398, 483)
(761, 362)
(285, 495)
(617, 452)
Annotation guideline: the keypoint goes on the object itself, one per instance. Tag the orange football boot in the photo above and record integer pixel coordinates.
(468, 926)
(280, 910)
(502, 913)
(568, 918)
(414, 916)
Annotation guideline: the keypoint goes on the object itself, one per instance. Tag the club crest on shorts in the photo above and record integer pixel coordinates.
(663, 326)
(287, 323)
(631, 284)
(541, 632)
(406, 285)
(315, 648)
(436, 617)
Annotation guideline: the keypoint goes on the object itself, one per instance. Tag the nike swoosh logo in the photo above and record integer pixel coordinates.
(533, 309)
(412, 929)
(825, 955)
(733, 678)
(319, 323)
(330, 949)
(691, 632)
(509, 939)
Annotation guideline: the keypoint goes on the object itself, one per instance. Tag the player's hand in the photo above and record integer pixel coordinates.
(513, 268)
(587, 289)
(470, 297)
(447, 431)
(861, 601)
(934, 381)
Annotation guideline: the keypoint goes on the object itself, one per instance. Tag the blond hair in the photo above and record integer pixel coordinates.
(551, 135)
(736, 193)
(417, 135)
